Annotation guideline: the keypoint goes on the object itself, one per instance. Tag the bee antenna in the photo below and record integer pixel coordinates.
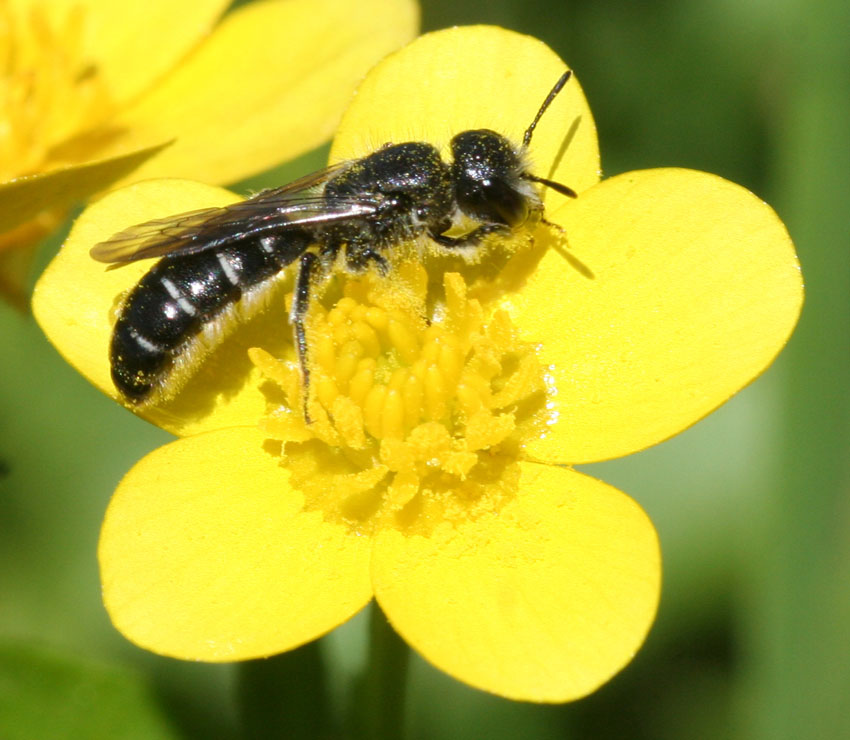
(556, 186)
(526, 139)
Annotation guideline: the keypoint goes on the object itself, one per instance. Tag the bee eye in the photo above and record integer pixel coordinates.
(486, 174)
(493, 201)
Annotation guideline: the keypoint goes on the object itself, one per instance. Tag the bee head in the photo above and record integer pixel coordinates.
(492, 181)
(488, 175)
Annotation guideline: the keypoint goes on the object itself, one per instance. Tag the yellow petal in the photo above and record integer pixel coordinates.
(474, 77)
(23, 198)
(75, 298)
(694, 289)
(133, 44)
(206, 554)
(544, 602)
(269, 84)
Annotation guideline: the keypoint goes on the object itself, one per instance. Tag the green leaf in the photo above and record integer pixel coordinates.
(44, 694)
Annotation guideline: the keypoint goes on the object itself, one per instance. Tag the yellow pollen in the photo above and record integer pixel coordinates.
(392, 425)
(362, 382)
(367, 337)
(434, 398)
(376, 318)
(347, 361)
(412, 396)
(402, 339)
(435, 394)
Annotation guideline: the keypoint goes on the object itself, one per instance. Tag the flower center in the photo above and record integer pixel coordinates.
(417, 412)
(49, 92)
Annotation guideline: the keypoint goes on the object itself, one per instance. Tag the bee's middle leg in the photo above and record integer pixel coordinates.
(308, 266)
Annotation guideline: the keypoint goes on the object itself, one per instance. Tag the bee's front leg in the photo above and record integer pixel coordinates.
(468, 243)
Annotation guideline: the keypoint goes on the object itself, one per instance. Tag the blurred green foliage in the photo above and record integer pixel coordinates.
(752, 505)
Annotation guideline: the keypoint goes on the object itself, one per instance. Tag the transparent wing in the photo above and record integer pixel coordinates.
(290, 206)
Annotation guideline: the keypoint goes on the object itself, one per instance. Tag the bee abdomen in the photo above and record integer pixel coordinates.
(178, 297)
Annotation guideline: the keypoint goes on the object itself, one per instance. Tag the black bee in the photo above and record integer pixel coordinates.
(350, 214)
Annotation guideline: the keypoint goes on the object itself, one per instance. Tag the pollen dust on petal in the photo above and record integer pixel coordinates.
(417, 409)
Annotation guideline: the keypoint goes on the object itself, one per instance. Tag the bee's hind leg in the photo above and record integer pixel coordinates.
(307, 270)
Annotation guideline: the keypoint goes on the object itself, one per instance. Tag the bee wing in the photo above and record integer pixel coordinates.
(308, 181)
(287, 207)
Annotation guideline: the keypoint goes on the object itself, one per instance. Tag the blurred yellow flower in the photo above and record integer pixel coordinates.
(93, 92)
(447, 404)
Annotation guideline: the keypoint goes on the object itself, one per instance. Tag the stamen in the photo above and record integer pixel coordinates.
(429, 399)
(51, 94)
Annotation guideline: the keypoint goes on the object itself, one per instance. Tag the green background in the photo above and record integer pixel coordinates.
(752, 504)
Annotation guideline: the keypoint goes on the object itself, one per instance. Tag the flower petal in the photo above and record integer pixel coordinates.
(474, 77)
(75, 297)
(206, 554)
(689, 288)
(24, 198)
(269, 84)
(133, 44)
(544, 602)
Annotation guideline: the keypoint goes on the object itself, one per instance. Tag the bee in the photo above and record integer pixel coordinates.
(349, 216)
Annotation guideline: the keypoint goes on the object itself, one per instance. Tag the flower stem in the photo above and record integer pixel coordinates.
(285, 696)
(378, 712)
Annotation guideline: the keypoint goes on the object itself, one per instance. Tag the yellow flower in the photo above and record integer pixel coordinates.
(447, 404)
(93, 92)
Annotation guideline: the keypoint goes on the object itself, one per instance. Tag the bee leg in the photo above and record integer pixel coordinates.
(307, 270)
(358, 257)
(379, 261)
(468, 243)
